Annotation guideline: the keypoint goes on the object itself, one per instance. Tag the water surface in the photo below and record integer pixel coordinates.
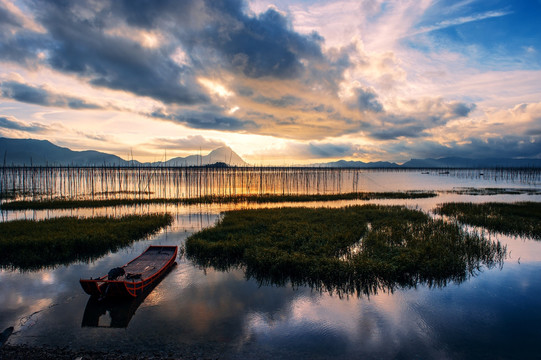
(494, 314)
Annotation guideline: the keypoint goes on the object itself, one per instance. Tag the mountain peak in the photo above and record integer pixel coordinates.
(223, 154)
(221, 149)
(43, 152)
(226, 155)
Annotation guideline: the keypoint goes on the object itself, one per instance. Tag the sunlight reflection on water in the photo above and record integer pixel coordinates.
(196, 311)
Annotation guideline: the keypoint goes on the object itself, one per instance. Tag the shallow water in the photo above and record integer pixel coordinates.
(494, 314)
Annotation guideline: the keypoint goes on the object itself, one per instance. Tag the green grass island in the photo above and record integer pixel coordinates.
(31, 245)
(351, 250)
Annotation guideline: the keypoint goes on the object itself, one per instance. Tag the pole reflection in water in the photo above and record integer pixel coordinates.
(120, 309)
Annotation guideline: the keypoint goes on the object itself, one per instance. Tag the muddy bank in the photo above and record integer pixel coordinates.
(25, 352)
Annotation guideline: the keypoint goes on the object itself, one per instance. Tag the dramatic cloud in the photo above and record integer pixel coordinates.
(284, 101)
(161, 50)
(326, 150)
(41, 96)
(319, 79)
(493, 147)
(10, 123)
(8, 19)
(206, 120)
(415, 118)
(259, 46)
(366, 100)
(82, 43)
(408, 127)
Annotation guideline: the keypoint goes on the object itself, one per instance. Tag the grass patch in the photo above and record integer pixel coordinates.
(494, 191)
(29, 244)
(70, 204)
(517, 219)
(351, 250)
(7, 195)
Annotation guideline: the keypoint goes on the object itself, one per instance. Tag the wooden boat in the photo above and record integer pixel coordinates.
(116, 312)
(134, 277)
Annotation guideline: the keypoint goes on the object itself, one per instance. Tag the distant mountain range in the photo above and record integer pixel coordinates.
(42, 152)
(447, 162)
(458, 162)
(356, 164)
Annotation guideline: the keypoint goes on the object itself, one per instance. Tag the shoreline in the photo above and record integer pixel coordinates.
(28, 352)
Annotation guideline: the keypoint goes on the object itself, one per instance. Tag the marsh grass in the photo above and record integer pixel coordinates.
(394, 247)
(517, 219)
(7, 195)
(494, 191)
(267, 198)
(29, 244)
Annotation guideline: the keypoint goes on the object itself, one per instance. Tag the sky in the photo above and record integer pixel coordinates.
(280, 82)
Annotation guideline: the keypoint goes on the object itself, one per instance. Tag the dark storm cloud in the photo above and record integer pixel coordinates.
(508, 146)
(534, 132)
(222, 31)
(420, 117)
(211, 121)
(99, 42)
(40, 96)
(329, 150)
(244, 91)
(284, 101)
(21, 48)
(398, 126)
(10, 123)
(437, 111)
(81, 45)
(263, 45)
(294, 102)
(148, 14)
(18, 44)
(7, 18)
(214, 35)
(367, 100)
(460, 109)
(327, 73)
(206, 120)
(395, 132)
(501, 147)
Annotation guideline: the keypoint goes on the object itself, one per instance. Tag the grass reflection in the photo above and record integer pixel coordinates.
(352, 250)
(518, 219)
(29, 244)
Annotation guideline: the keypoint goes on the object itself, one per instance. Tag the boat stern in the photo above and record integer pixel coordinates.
(91, 287)
(107, 288)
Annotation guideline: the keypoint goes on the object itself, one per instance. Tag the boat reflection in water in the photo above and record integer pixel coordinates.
(120, 309)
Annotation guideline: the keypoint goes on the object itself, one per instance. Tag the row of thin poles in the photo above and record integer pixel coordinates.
(173, 182)
(108, 182)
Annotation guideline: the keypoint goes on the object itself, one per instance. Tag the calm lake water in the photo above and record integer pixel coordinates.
(494, 314)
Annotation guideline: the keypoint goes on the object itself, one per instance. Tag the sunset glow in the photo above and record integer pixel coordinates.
(280, 82)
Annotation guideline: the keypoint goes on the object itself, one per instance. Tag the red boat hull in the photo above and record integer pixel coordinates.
(130, 287)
